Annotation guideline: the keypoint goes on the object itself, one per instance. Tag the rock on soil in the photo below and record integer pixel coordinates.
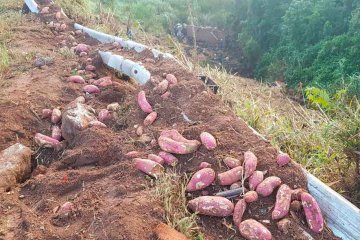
(76, 118)
(15, 165)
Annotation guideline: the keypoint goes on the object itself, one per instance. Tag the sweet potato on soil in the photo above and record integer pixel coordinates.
(103, 82)
(55, 116)
(172, 79)
(56, 132)
(204, 165)
(282, 204)
(201, 179)
(212, 206)
(149, 167)
(143, 103)
(46, 113)
(172, 146)
(169, 158)
(283, 159)
(250, 163)
(150, 119)
(266, 187)
(232, 162)
(156, 158)
(208, 140)
(255, 179)
(76, 79)
(81, 48)
(166, 95)
(176, 136)
(239, 211)
(104, 115)
(250, 196)
(231, 176)
(162, 87)
(44, 141)
(91, 89)
(66, 208)
(312, 211)
(253, 230)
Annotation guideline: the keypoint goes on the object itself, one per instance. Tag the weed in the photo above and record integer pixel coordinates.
(67, 53)
(4, 59)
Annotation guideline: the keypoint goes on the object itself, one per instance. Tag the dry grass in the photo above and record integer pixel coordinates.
(170, 189)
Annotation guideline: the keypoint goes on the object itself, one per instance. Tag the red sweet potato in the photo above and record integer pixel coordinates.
(201, 179)
(91, 89)
(149, 167)
(250, 163)
(282, 204)
(283, 159)
(204, 165)
(66, 208)
(104, 115)
(239, 211)
(90, 68)
(166, 95)
(212, 206)
(255, 179)
(56, 132)
(250, 196)
(176, 136)
(103, 82)
(45, 141)
(162, 87)
(312, 211)
(208, 140)
(172, 146)
(143, 103)
(55, 116)
(231, 176)
(150, 118)
(81, 48)
(46, 113)
(156, 158)
(169, 158)
(172, 79)
(232, 162)
(253, 230)
(266, 187)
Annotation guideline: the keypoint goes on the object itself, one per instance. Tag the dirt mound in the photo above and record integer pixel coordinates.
(110, 199)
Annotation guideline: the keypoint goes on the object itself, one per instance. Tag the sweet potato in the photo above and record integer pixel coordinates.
(201, 179)
(255, 179)
(91, 89)
(66, 208)
(232, 162)
(45, 141)
(55, 116)
(231, 176)
(212, 206)
(90, 68)
(156, 158)
(150, 119)
(162, 87)
(312, 211)
(143, 103)
(208, 140)
(266, 187)
(169, 158)
(176, 136)
(46, 113)
(283, 159)
(282, 204)
(250, 163)
(97, 123)
(253, 230)
(250, 196)
(204, 165)
(149, 167)
(104, 115)
(103, 82)
(56, 132)
(81, 48)
(166, 95)
(172, 146)
(172, 79)
(239, 211)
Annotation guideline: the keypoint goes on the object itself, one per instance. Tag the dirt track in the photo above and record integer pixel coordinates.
(112, 199)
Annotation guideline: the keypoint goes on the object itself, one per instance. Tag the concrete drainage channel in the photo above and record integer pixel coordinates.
(341, 216)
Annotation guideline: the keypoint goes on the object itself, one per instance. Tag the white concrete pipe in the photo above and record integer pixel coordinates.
(32, 5)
